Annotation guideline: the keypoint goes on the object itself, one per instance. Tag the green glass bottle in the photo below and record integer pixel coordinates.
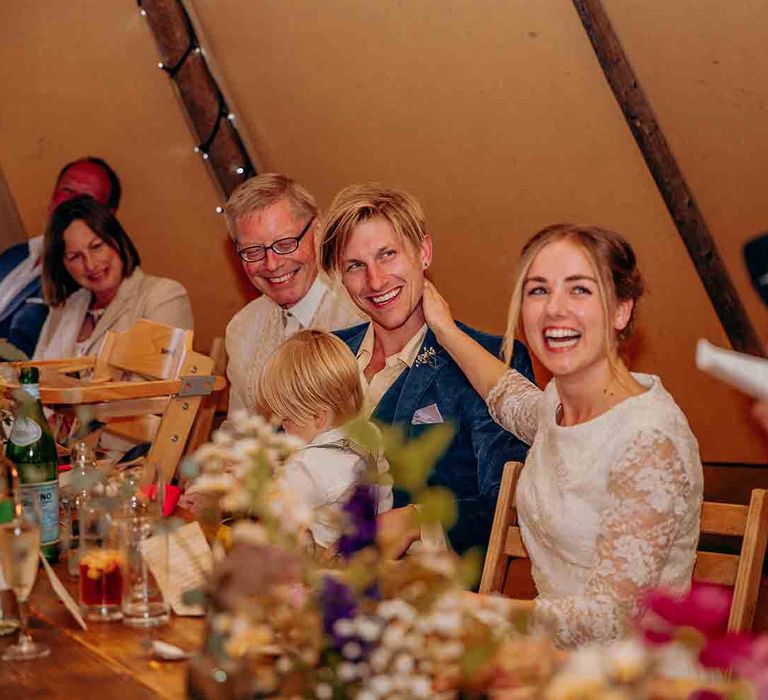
(32, 448)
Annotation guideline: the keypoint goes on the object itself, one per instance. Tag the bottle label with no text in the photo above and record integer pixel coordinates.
(44, 495)
(25, 431)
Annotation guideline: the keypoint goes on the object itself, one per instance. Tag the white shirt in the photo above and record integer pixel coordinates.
(21, 275)
(394, 365)
(256, 330)
(300, 315)
(324, 474)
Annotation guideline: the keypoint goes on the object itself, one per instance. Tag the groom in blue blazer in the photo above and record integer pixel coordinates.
(376, 240)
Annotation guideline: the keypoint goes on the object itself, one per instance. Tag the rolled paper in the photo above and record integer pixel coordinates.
(744, 372)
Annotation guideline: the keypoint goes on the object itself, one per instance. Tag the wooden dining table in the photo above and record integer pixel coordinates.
(109, 660)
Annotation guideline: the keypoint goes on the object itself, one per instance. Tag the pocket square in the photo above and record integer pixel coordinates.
(427, 415)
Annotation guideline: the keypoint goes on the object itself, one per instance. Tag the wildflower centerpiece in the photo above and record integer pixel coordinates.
(290, 619)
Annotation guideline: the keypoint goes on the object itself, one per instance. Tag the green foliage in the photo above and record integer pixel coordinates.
(411, 461)
(438, 505)
(471, 567)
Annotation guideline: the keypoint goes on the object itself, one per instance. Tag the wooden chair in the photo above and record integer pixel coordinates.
(742, 571)
(159, 403)
(505, 543)
(201, 429)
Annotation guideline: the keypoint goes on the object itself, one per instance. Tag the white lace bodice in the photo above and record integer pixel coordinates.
(607, 508)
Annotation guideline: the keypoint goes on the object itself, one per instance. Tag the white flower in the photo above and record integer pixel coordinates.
(413, 641)
(404, 664)
(213, 483)
(391, 609)
(628, 660)
(347, 672)
(344, 627)
(283, 664)
(249, 532)
(420, 687)
(323, 691)
(379, 659)
(351, 650)
(381, 685)
(448, 650)
(393, 636)
(448, 624)
(368, 630)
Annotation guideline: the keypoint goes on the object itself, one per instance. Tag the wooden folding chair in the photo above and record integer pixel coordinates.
(505, 543)
(166, 377)
(744, 570)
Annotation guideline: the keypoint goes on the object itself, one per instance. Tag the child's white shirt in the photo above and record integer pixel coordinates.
(323, 475)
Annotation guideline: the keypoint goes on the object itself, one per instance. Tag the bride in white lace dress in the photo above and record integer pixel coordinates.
(610, 496)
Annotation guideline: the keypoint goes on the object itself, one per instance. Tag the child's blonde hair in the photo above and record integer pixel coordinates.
(311, 372)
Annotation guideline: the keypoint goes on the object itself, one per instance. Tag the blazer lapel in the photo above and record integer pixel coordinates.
(356, 341)
(125, 293)
(424, 371)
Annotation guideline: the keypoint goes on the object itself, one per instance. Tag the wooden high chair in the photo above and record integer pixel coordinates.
(145, 384)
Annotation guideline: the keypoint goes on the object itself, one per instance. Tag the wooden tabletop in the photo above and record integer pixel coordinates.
(108, 661)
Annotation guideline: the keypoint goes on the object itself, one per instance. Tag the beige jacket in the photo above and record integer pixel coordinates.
(256, 330)
(139, 296)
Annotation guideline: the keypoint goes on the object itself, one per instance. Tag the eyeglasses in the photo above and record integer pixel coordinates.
(282, 246)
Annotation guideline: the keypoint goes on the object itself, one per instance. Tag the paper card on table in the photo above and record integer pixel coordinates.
(180, 567)
(63, 593)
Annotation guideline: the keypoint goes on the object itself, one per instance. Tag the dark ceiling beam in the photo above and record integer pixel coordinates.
(669, 179)
(206, 109)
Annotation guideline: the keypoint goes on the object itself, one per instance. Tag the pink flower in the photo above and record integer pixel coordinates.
(704, 608)
(727, 650)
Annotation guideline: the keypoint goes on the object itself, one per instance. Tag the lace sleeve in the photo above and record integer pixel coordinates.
(514, 404)
(650, 493)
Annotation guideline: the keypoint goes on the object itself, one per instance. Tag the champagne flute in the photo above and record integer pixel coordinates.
(19, 552)
(9, 482)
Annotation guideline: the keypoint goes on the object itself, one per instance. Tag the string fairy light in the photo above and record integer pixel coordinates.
(242, 167)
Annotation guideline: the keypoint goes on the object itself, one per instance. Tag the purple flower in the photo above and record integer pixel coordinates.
(360, 514)
(338, 602)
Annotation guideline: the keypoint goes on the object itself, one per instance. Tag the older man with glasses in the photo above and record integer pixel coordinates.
(272, 220)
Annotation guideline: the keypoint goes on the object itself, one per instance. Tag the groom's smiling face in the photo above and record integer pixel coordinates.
(384, 273)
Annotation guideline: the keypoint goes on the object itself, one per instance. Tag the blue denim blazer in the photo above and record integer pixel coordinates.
(472, 465)
(22, 319)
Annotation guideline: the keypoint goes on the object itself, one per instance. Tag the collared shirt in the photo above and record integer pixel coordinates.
(393, 367)
(300, 315)
(21, 275)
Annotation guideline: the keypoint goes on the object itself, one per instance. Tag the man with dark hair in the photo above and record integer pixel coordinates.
(22, 310)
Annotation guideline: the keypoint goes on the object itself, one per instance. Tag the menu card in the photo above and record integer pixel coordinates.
(180, 560)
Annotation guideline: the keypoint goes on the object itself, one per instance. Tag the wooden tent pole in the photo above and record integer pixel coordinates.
(206, 109)
(679, 199)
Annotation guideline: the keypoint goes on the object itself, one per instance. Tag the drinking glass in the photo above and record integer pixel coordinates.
(143, 601)
(100, 562)
(8, 622)
(19, 552)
